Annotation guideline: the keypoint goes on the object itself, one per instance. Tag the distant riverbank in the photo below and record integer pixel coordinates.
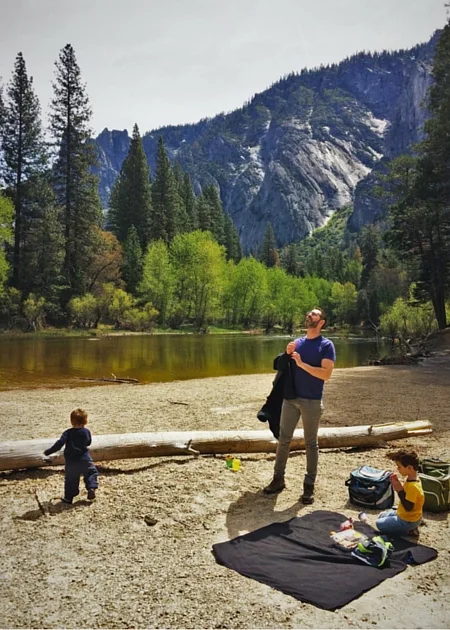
(110, 331)
(38, 361)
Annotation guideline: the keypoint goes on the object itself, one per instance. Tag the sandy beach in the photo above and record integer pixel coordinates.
(101, 565)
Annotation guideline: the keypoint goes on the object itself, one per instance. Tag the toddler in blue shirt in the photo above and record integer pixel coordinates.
(78, 459)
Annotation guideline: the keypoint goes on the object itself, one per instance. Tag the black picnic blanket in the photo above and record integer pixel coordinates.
(299, 558)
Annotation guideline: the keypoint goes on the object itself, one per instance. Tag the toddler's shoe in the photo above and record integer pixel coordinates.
(414, 533)
(91, 494)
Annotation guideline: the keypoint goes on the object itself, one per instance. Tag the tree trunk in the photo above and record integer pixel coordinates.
(29, 453)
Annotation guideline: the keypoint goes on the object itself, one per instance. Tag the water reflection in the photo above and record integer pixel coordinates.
(33, 362)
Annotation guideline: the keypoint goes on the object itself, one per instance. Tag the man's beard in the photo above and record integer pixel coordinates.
(310, 323)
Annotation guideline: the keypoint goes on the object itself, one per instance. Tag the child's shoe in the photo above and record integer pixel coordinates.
(91, 494)
(66, 500)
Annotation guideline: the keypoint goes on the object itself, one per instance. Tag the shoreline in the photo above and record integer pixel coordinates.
(368, 394)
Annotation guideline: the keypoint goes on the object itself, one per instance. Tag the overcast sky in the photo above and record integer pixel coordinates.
(164, 62)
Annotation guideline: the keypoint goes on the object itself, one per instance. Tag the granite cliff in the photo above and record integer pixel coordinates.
(311, 143)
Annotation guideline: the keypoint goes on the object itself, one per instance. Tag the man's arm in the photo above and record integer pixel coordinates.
(324, 372)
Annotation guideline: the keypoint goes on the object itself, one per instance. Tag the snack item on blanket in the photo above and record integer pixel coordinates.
(346, 524)
(347, 538)
(363, 517)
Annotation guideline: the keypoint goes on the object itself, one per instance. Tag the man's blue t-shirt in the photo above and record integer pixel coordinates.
(312, 351)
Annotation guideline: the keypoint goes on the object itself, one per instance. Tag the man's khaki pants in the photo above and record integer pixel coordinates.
(310, 412)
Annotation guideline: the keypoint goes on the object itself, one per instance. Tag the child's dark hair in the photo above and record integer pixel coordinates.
(79, 416)
(406, 458)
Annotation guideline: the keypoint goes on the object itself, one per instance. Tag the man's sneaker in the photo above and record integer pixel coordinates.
(276, 485)
(91, 494)
(307, 497)
(66, 500)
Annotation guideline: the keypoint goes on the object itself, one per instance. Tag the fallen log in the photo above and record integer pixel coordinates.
(17, 454)
(107, 379)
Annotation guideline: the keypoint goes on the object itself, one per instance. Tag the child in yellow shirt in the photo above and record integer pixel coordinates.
(405, 520)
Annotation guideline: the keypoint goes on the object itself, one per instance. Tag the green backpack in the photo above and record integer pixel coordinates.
(435, 477)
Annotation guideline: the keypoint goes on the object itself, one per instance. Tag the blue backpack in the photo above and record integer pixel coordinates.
(370, 488)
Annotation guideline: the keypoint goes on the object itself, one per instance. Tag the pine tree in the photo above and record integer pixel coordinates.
(269, 254)
(232, 244)
(216, 213)
(6, 236)
(2, 114)
(43, 250)
(169, 217)
(75, 186)
(23, 152)
(432, 186)
(178, 176)
(291, 263)
(369, 240)
(132, 260)
(189, 202)
(131, 196)
(203, 212)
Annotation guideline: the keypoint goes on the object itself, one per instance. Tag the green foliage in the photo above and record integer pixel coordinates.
(169, 213)
(158, 279)
(203, 210)
(327, 252)
(132, 261)
(405, 321)
(385, 285)
(75, 186)
(121, 303)
(353, 269)
(198, 262)
(245, 291)
(2, 113)
(284, 302)
(83, 310)
(42, 255)
(10, 299)
(34, 310)
(296, 300)
(187, 194)
(369, 243)
(212, 198)
(104, 298)
(268, 254)
(290, 261)
(232, 244)
(131, 197)
(317, 293)
(106, 264)
(139, 319)
(23, 155)
(344, 298)
(417, 191)
(6, 236)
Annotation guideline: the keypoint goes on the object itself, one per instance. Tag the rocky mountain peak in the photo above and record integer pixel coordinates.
(295, 153)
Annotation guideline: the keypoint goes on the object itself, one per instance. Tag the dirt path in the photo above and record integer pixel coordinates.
(101, 565)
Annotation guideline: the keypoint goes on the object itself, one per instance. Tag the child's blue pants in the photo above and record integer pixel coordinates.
(389, 523)
(74, 469)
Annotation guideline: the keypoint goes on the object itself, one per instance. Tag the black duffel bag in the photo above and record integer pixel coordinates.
(370, 488)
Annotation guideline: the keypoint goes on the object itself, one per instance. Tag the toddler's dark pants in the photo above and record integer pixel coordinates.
(74, 469)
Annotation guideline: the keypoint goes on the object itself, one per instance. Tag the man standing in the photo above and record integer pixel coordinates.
(314, 357)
